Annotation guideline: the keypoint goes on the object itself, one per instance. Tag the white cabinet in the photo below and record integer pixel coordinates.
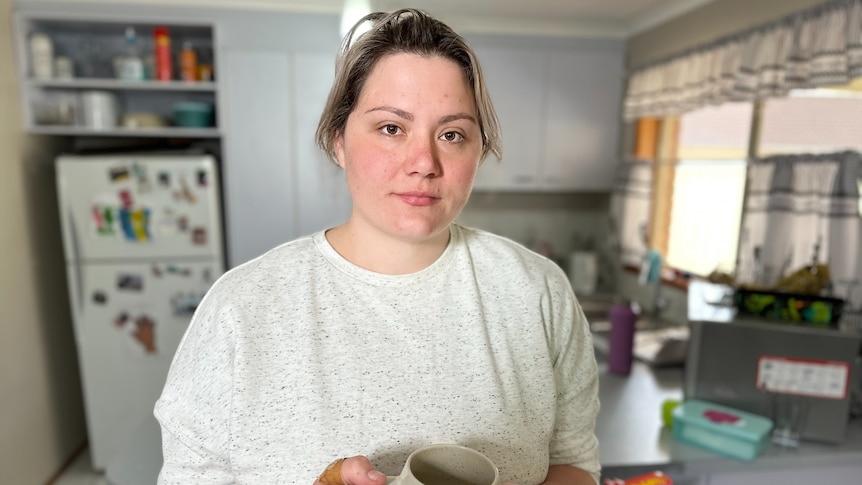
(279, 185)
(584, 89)
(91, 46)
(259, 180)
(559, 108)
(515, 79)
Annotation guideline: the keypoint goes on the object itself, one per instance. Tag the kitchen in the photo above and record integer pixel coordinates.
(44, 343)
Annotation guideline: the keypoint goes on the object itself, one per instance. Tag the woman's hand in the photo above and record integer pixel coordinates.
(356, 470)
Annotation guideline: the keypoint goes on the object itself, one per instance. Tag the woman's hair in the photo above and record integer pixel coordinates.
(403, 31)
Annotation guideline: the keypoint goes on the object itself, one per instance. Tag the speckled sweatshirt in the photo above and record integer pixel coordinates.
(299, 357)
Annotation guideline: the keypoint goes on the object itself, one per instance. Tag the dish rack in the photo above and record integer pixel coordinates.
(851, 320)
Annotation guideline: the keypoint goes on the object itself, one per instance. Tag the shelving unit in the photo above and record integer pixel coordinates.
(54, 106)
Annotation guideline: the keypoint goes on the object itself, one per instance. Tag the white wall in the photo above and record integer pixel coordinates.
(41, 412)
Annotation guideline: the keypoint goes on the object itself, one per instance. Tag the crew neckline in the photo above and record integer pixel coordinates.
(374, 278)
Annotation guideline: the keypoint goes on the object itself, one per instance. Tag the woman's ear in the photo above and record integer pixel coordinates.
(338, 149)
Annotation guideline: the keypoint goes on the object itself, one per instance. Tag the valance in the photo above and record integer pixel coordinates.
(817, 47)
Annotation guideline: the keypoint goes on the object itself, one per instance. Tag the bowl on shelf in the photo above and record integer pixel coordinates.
(193, 114)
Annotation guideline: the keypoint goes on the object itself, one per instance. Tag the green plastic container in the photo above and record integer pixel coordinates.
(192, 114)
(722, 429)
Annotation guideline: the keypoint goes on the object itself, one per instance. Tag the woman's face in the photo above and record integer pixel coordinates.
(411, 147)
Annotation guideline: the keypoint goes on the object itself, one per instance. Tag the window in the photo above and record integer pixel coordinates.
(704, 187)
(701, 163)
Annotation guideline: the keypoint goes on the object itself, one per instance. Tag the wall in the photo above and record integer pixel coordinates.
(713, 21)
(41, 412)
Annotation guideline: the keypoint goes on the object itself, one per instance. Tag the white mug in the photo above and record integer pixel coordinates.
(447, 464)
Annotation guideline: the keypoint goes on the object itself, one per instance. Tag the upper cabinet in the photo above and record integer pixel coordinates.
(110, 77)
(558, 104)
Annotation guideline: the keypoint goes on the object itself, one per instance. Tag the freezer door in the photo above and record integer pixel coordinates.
(131, 207)
(129, 320)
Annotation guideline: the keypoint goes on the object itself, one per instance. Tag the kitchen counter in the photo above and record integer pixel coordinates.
(632, 439)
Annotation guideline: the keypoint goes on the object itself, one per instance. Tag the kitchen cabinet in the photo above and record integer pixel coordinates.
(92, 45)
(514, 78)
(558, 103)
(279, 184)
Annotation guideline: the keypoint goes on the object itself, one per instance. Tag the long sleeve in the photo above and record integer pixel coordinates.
(574, 440)
(194, 409)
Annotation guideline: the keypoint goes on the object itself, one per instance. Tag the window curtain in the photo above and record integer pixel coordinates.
(630, 210)
(800, 209)
(817, 47)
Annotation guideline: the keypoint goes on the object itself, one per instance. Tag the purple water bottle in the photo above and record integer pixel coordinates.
(623, 320)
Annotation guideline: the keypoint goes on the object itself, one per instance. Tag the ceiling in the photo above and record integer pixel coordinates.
(596, 18)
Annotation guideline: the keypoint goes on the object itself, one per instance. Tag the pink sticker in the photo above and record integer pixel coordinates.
(720, 416)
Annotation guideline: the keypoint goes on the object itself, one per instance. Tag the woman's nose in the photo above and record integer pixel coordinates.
(423, 157)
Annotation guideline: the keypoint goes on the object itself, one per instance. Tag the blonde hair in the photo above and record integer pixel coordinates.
(403, 31)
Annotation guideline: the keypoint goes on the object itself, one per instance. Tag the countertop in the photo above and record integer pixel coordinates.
(633, 440)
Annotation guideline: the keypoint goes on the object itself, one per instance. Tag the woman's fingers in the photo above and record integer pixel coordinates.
(356, 470)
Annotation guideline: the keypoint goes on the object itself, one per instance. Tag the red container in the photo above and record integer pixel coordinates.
(164, 65)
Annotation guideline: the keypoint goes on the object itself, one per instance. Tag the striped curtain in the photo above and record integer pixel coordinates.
(630, 210)
(800, 209)
(817, 47)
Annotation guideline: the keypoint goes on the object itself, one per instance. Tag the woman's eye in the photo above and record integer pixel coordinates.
(390, 129)
(453, 136)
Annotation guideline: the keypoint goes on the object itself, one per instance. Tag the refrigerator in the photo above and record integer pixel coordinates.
(143, 242)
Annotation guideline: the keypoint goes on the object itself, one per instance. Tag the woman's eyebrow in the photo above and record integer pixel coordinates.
(457, 116)
(396, 111)
(409, 116)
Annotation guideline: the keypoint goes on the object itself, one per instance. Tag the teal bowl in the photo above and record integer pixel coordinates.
(191, 114)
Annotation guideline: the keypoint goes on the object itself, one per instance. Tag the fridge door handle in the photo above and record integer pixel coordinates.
(76, 257)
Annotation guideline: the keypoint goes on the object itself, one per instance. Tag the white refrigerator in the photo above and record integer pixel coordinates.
(142, 236)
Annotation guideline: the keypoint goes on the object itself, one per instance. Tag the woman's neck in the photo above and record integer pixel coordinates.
(384, 254)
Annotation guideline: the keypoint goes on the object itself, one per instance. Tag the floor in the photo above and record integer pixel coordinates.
(80, 472)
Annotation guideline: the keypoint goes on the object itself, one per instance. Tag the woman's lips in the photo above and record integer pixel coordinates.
(418, 199)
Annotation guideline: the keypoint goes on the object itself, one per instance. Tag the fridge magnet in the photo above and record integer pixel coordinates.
(103, 218)
(126, 199)
(145, 333)
(185, 193)
(179, 271)
(121, 319)
(157, 270)
(183, 223)
(142, 177)
(128, 281)
(99, 297)
(185, 303)
(168, 223)
(164, 180)
(199, 236)
(118, 174)
(135, 224)
(202, 178)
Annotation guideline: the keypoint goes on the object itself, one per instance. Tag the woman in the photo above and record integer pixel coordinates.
(398, 328)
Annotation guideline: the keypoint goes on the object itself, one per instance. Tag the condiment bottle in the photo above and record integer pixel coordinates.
(42, 56)
(131, 66)
(164, 65)
(188, 63)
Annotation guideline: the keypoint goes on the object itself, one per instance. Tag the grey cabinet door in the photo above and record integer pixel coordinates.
(516, 79)
(259, 179)
(322, 197)
(582, 120)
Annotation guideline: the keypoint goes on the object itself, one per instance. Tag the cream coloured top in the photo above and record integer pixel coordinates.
(299, 356)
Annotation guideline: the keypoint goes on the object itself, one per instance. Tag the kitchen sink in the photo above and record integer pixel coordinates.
(657, 342)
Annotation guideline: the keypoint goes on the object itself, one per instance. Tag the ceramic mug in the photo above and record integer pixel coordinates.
(447, 465)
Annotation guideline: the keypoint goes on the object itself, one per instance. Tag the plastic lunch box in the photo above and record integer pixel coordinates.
(722, 429)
